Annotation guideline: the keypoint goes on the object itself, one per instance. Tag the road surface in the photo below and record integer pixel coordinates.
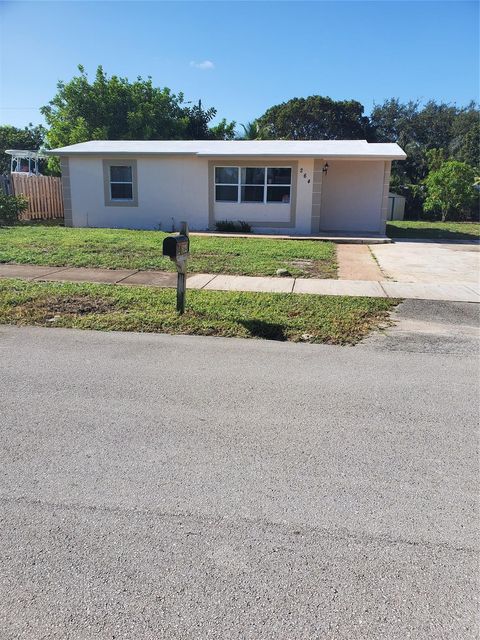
(186, 488)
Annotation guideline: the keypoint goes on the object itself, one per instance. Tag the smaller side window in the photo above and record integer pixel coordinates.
(121, 182)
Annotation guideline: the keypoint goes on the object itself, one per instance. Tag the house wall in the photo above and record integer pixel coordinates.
(182, 188)
(176, 188)
(353, 196)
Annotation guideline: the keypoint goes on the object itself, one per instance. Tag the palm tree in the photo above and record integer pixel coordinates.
(251, 131)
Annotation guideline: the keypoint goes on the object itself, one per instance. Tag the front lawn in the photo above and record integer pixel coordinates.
(274, 316)
(433, 230)
(126, 249)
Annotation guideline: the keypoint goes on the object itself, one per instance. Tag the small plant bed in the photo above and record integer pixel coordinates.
(126, 249)
(298, 318)
(433, 230)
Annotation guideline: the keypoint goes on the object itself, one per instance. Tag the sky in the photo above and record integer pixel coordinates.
(242, 57)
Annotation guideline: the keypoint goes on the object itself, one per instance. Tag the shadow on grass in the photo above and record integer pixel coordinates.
(430, 233)
(265, 330)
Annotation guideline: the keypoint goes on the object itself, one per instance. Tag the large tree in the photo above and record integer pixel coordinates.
(113, 108)
(31, 138)
(315, 118)
(447, 130)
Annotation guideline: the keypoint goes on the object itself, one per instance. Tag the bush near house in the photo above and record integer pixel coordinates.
(227, 225)
(11, 207)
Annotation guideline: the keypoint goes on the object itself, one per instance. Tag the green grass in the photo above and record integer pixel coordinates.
(433, 230)
(119, 248)
(274, 316)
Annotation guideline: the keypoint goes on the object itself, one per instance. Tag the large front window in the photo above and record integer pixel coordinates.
(253, 184)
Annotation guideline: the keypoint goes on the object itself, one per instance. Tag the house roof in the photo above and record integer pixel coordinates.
(236, 148)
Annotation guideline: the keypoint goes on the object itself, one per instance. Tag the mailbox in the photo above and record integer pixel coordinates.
(176, 246)
(177, 249)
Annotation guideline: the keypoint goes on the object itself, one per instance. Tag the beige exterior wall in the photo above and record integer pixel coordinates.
(168, 188)
(352, 196)
(67, 195)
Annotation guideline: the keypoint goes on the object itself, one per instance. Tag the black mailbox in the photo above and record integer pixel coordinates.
(176, 246)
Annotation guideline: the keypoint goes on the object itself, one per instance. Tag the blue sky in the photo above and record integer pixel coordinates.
(243, 57)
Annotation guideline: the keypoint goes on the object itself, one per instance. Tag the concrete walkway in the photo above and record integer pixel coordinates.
(356, 262)
(452, 291)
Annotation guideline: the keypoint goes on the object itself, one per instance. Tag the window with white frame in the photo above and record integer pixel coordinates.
(121, 182)
(253, 184)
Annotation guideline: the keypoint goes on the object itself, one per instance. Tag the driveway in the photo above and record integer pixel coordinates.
(432, 262)
(178, 487)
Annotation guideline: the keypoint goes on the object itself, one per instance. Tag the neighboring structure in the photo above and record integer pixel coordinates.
(24, 161)
(279, 186)
(396, 207)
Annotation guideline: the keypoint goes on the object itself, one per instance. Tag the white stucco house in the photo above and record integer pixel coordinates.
(277, 186)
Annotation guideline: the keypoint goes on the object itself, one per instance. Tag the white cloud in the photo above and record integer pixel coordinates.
(206, 64)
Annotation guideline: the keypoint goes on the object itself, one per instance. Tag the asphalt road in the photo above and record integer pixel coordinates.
(182, 487)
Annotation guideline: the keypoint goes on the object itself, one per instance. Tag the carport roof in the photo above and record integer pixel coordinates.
(236, 148)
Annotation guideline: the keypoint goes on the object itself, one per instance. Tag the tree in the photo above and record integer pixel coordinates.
(31, 138)
(251, 131)
(223, 130)
(450, 189)
(446, 131)
(315, 118)
(112, 108)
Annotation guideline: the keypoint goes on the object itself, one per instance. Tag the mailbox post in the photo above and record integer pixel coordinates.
(177, 249)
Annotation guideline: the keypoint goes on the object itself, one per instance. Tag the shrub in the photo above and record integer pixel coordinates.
(11, 207)
(225, 225)
(244, 226)
(228, 225)
(450, 190)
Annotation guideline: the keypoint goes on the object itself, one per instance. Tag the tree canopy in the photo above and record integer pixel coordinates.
(454, 132)
(315, 118)
(113, 108)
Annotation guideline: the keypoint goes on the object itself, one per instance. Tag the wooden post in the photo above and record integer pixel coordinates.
(181, 293)
(182, 275)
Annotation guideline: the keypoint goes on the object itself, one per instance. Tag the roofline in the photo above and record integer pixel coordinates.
(136, 154)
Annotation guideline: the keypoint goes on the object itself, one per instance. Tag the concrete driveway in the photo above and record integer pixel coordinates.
(173, 487)
(432, 262)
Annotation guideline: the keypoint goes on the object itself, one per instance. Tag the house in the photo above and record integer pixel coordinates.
(277, 186)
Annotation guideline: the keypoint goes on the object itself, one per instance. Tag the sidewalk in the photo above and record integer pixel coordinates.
(453, 291)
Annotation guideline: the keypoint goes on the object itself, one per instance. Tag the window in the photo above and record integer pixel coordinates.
(120, 183)
(226, 184)
(278, 185)
(253, 184)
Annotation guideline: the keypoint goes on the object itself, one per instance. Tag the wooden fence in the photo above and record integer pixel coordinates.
(44, 193)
